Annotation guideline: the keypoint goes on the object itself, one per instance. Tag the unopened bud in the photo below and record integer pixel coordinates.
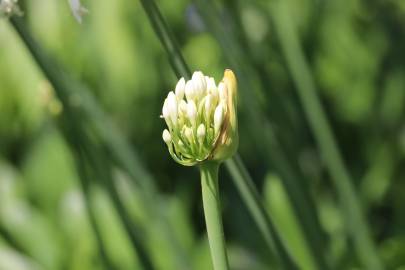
(167, 138)
(190, 90)
(223, 91)
(180, 88)
(192, 112)
(201, 132)
(218, 117)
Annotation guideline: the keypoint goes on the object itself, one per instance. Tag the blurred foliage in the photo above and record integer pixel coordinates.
(355, 51)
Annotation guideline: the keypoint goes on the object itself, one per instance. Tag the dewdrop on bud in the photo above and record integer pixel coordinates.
(202, 119)
(167, 138)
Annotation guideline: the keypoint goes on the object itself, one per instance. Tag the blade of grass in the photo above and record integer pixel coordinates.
(166, 38)
(117, 146)
(300, 197)
(247, 190)
(85, 183)
(250, 195)
(305, 86)
(102, 171)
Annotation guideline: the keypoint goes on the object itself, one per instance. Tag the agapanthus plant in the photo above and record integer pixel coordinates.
(202, 129)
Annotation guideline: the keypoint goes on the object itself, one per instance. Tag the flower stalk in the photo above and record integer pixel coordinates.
(202, 129)
(212, 212)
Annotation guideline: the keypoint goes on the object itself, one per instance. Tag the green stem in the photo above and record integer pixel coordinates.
(212, 212)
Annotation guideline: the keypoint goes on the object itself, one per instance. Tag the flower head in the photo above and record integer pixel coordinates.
(201, 119)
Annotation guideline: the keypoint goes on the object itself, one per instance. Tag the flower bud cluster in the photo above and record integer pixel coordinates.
(194, 113)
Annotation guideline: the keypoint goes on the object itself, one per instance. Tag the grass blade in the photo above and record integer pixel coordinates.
(78, 139)
(253, 201)
(288, 170)
(305, 86)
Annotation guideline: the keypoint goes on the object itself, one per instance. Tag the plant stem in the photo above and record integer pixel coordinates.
(212, 212)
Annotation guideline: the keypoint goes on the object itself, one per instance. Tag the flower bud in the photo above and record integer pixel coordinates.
(183, 107)
(223, 91)
(190, 90)
(201, 132)
(204, 127)
(210, 84)
(200, 85)
(209, 103)
(180, 88)
(167, 138)
(165, 110)
(192, 112)
(218, 117)
(228, 140)
(188, 133)
(172, 107)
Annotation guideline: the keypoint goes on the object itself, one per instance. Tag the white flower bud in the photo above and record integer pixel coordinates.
(165, 110)
(180, 143)
(223, 91)
(214, 92)
(190, 90)
(181, 84)
(172, 107)
(201, 132)
(167, 138)
(210, 84)
(200, 85)
(209, 102)
(183, 107)
(188, 133)
(192, 112)
(218, 117)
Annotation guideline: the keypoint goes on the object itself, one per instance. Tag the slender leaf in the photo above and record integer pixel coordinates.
(305, 86)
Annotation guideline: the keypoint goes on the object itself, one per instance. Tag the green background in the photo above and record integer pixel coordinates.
(354, 55)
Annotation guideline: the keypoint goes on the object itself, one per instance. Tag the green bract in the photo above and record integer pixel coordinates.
(201, 119)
